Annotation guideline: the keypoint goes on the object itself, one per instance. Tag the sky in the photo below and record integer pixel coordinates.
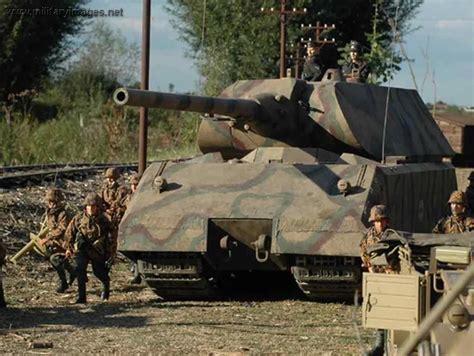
(442, 48)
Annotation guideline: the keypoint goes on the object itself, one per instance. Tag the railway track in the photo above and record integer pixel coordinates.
(21, 175)
(16, 176)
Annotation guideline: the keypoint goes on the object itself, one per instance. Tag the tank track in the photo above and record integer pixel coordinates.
(327, 278)
(177, 276)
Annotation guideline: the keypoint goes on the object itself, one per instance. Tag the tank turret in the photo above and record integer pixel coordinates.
(336, 116)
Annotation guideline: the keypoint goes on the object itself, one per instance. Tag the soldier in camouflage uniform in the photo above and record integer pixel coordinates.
(134, 180)
(356, 69)
(57, 220)
(457, 222)
(378, 217)
(113, 196)
(3, 254)
(470, 193)
(89, 239)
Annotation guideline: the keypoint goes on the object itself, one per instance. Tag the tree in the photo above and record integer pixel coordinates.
(104, 61)
(239, 42)
(33, 44)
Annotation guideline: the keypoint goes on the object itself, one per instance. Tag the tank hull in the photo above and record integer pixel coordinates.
(218, 218)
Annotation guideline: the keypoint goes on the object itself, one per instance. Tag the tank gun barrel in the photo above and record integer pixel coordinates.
(203, 104)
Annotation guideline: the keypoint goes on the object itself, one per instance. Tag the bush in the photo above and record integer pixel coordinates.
(96, 133)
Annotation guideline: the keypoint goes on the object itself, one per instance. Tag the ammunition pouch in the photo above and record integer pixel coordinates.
(82, 243)
(99, 247)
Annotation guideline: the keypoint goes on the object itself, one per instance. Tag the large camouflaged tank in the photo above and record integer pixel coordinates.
(289, 173)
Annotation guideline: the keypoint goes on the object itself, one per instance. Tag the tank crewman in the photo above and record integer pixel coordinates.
(356, 69)
(57, 220)
(457, 222)
(113, 196)
(3, 254)
(470, 193)
(312, 69)
(134, 180)
(379, 219)
(89, 239)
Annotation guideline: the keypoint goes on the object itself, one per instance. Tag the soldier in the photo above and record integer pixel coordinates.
(134, 180)
(312, 70)
(57, 220)
(113, 196)
(470, 193)
(3, 254)
(356, 69)
(89, 239)
(378, 217)
(457, 222)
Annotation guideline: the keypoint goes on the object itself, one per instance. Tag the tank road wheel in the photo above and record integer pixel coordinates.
(179, 276)
(327, 278)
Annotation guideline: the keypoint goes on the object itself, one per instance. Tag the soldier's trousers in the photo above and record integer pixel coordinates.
(61, 265)
(2, 296)
(98, 267)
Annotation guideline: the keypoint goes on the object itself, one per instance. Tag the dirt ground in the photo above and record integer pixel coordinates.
(135, 320)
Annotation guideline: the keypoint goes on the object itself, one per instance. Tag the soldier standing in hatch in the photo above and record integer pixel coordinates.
(113, 196)
(89, 239)
(134, 180)
(57, 220)
(457, 222)
(3, 254)
(312, 69)
(379, 219)
(470, 193)
(356, 69)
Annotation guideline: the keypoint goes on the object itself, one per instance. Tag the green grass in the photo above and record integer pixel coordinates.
(96, 133)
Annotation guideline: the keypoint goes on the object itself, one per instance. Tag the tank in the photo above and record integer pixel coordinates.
(428, 307)
(289, 172)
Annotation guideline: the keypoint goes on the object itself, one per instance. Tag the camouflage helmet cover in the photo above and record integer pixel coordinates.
(377, 213)
(112, 173)
(471, 176)
(92, 199)
(458, 197)
(54, 195)
(355, 46)
(134, 179)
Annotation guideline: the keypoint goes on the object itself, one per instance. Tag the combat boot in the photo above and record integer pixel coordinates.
(72, 278)
(137, 279)
(82, 293)
(105, 291)
(62, 286)
(3, 304)
(378, 349)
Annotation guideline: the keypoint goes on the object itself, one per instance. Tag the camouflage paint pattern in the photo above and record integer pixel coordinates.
(342, 117)
(307, 212)
(297, 140)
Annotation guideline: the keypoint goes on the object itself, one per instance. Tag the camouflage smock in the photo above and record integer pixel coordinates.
(370, 237)
(96, 230)
(113, 195)
(454, 225)
(57, 221)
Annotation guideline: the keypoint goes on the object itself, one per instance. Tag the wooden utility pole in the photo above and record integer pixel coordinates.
(145, 70)
(285, 15)
(319, 30)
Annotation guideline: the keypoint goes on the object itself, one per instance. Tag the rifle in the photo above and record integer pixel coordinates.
(34, 244)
